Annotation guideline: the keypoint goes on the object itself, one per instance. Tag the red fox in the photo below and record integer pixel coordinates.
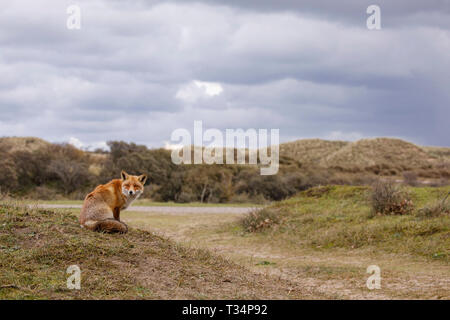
(101, 208)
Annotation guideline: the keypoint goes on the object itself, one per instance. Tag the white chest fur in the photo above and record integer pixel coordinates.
(129, 200)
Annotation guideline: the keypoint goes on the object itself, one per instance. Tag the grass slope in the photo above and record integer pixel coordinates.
(37, 246)
(340, 217)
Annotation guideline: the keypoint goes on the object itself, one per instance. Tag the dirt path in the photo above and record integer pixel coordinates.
(164, 209)
(339, 273)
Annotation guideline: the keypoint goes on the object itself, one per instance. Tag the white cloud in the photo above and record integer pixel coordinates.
(90, 147)
(172, 146)
(344, 136)
(196, 90)
(210, 88)
(76, 142)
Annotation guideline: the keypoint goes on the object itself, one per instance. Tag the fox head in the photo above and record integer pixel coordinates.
(132, 186)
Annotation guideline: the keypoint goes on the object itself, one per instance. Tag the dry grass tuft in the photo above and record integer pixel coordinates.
(436, 209)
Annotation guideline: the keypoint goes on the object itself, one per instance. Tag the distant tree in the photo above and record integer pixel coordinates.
(71, 173)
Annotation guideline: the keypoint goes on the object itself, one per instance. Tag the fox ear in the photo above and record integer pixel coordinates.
(124, 175)
(142, 178)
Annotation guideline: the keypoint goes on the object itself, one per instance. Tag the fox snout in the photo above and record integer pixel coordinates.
(130, 191)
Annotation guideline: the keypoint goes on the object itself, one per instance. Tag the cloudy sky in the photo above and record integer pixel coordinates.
(137, 70)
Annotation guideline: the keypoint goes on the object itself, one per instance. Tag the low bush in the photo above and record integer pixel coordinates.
(261, 219)
(388, 198)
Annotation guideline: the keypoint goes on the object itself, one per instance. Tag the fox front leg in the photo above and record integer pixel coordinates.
(117, 213)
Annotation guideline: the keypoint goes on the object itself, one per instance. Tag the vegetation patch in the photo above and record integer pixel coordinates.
(262, 219)
(343, 219)
(318, 192)
(35, 169)
(436, 209)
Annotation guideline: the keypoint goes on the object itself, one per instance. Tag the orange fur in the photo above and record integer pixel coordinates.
(101, 208)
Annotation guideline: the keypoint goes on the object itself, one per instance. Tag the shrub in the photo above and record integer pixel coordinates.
(261, 219)
(8, 178)
(270, 187)
(72, 174)
(436, 209)
(44, 193)
(185, 197)
(241, 198)
(388, 198)
(410, 178)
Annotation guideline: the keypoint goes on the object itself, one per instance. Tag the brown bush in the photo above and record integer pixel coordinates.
(261, 219)
(8, 178)
(44, 193)
(72, 174)
(388, 198)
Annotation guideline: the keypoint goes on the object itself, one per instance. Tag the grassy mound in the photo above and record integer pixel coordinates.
(383, 156)
(340, 217)
(311, 151)
(379, 152)
(12, 144)
(37, 246)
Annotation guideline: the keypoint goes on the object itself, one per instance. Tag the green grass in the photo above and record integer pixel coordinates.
(339, 217)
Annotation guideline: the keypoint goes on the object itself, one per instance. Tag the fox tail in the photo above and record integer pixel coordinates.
(107, 225)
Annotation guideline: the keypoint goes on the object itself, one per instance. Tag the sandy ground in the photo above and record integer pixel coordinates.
(163, 209)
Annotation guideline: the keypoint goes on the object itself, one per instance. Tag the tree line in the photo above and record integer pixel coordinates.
(58, 171)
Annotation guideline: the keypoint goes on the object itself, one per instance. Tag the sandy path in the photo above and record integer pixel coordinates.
(161, 209)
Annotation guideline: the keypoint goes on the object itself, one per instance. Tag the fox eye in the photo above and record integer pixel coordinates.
(136, 186)
(127, 186)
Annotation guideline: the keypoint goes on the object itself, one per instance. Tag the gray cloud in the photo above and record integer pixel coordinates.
(312, 70)
(395, 13)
